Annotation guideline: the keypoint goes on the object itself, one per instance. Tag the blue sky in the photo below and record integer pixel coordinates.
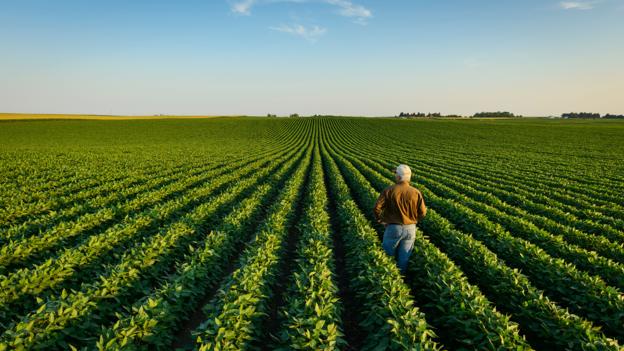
(311, 56)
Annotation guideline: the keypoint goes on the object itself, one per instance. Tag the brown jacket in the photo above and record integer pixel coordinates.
(400, 204)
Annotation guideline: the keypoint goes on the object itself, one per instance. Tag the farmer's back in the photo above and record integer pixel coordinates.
(399, 208)
(400, 204)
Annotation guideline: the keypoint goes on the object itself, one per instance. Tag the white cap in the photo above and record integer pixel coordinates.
(404, 172)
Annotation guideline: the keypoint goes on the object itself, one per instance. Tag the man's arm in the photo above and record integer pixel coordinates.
(422, 208)
(379, 205)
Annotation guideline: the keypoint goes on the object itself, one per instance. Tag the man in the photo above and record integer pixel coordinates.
(399, 208)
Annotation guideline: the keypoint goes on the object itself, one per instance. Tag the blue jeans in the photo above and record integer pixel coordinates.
(398, 242)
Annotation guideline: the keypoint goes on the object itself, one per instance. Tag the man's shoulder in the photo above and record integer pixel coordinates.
(415, 191)
(388, 189)
(402, 188)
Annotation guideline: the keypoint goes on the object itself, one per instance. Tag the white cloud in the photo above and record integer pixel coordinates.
(349, 9)
(577, 5)
(310, 34)
(243, 7)
(346, 8)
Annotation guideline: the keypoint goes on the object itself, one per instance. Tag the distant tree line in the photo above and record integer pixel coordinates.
(590, 115)
(425, 115)
(497, 114)
(274, 115)
(582, 115)
(610, 116)
(418, 114)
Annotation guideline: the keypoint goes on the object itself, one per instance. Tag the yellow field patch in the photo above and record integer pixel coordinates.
(24, 116)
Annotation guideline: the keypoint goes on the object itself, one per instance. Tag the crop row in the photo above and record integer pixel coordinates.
(21, 288)
(233, 317)
(554, 244)
(582, 293)
(312, 312)
(276, 246)
(52, 189)
(154, 319)
(488, 166)
(27, 250)
(387, 315)
(463, 316)
(538, 166)
(94, 198)
(510, 240)
(155, 191)
(535, 197)
(510, 290)
(78, 312)
(512, 219)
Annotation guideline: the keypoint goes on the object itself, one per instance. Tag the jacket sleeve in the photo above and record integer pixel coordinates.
(422, 208)
(379, 205)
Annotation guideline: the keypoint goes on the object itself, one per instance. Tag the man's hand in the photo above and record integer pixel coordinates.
(378, 208)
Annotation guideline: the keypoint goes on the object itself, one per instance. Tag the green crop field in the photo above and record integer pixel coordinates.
(258, 233)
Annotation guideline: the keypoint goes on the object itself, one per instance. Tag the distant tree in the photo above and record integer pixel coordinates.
(581, 115)
(425, 115)
(271, 115)
(294, 115)
(497, 114)
(610, 116)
